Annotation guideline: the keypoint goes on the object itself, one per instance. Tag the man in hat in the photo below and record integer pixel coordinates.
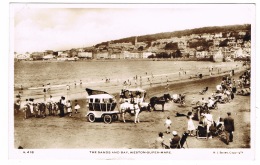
(229, 127)
(62, 104)
(174, 142)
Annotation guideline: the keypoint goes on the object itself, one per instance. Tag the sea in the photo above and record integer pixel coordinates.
(31, 77)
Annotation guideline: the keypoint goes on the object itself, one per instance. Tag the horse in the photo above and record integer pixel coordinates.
(133, 109)
(26, 111)
(36, 109)
(42, 108)
(159, 100)
(50, 106)
(55, 108)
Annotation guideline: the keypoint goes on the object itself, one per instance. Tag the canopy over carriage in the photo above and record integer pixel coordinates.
(102, 106)
(131, 95)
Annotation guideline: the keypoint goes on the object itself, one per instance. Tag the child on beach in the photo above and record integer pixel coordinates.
(69, 109)
(168, 124)
(76, 107)
(191, 126)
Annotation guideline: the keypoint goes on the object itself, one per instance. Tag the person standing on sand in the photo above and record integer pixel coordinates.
(191, 126)
(62, 104)
(17, 106)
(209, 121)
(69, 108)
(229, 127)
(44, 89)
(168, 124)
(167, 87)
(50, 102)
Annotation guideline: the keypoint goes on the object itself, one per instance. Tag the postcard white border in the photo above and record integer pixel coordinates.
(180, 155)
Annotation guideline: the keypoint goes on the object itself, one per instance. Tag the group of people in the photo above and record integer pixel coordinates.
(206, 128)
(173, 143)
(50, 107)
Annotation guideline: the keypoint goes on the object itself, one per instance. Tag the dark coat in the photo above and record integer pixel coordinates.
(175, 141)
(229, 124)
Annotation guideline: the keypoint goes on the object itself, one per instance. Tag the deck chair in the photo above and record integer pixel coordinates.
(204, 90)
(202, 132)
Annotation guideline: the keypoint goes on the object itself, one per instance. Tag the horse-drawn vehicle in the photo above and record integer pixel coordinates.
(132, 101)
(101, 106)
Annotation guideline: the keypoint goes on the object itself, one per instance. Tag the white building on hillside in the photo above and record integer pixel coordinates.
(48, 57)
(85, 54)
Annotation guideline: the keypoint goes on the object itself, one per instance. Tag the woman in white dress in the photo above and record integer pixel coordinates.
(191, 126)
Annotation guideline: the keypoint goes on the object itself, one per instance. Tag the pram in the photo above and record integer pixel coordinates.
(217, 130)
(244, 92)
(204, 91)
(221, 98)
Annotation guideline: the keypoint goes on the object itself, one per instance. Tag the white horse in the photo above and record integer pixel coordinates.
(133, 109)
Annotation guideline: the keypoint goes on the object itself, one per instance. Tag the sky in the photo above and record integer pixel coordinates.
(40, 27)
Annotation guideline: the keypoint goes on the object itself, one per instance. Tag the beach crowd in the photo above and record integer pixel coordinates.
(207, 127)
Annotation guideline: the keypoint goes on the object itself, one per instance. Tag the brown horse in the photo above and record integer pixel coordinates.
(160, 100)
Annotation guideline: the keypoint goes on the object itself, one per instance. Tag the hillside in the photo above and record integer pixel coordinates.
(214, 29)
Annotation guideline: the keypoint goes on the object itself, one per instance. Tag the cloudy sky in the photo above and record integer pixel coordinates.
(40, 27)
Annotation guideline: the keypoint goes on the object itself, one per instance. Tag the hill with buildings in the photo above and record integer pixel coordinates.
(224, 42)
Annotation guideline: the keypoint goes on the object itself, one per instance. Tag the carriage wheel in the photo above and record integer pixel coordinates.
(107, 119)
(115, 117)
(91, 117)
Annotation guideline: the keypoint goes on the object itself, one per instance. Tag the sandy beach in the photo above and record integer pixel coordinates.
(76, 132)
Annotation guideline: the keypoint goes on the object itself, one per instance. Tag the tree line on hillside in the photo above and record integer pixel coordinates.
(234, 29)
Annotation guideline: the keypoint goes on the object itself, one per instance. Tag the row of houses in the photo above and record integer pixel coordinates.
(188, 53)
